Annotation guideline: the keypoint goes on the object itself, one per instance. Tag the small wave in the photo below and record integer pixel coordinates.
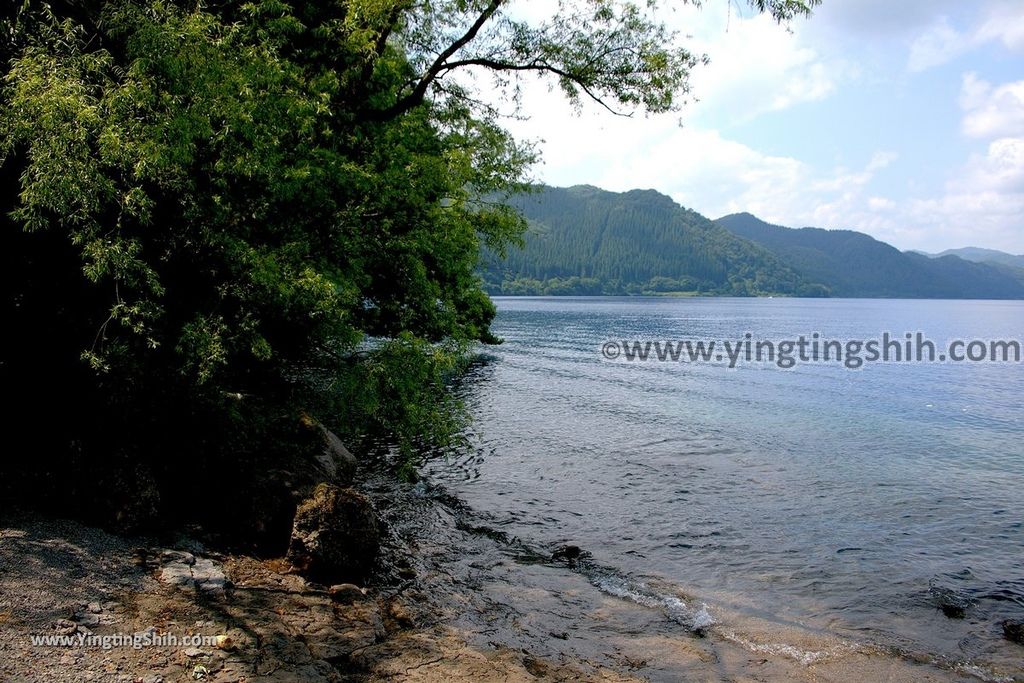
(696, 620)
(982, 674)
(805, 657)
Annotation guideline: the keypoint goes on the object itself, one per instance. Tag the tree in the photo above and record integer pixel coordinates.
(221, 216)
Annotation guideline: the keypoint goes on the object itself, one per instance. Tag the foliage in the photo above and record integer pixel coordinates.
(218, 216)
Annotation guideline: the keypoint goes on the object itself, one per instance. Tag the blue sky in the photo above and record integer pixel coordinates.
(900, 118)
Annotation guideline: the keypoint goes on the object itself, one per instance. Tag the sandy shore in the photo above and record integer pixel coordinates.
(465, 614)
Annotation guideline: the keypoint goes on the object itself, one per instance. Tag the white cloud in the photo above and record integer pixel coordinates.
(982, 204)
(757, 66)
(1000, 170)
(937, 45)
(983, 201)
(697, 166)
(881, 160)
(941, 42)
(881, 204)
(703, 169)
(1005, 24)
(992, 111)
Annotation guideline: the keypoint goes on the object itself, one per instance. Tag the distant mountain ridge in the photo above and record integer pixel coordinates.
(584, 240)
(852, 264)
(1010, 265)
(980, 255)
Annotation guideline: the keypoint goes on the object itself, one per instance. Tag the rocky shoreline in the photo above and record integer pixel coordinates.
(450, 598)
(62, 579)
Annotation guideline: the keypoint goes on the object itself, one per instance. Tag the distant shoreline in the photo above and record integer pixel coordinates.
(687, 295)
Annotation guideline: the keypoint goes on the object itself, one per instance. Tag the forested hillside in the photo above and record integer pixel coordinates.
(853, 264)
(583, 240)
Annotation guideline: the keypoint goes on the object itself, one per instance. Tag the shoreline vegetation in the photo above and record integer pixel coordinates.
(235, 237)
(232, 233)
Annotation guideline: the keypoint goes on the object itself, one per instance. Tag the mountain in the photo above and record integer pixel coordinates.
(1007, 264)
(979, 255)
(852, 264)
(584, 240)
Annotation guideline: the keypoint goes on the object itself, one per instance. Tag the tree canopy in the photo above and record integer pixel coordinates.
(220, 215)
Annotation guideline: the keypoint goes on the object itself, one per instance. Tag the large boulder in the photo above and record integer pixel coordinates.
(335, 536)
(274, 492)
(336, 461)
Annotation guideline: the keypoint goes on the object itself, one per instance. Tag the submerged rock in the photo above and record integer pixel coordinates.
(567, 553)
(335, 535)
(954, 605)
(1013, 630)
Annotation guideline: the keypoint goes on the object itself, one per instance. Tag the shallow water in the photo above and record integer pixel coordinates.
(856, 503)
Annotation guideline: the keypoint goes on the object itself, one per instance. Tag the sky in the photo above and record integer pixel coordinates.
(903, 119)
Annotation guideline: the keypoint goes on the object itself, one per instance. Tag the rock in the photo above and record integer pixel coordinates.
(225, 643)
(234, 672)
(177, 575)
(178, 557)
(208, 576)
(953, 604)
(147, 633)
(185, 570)
(87, 619)
(1013, 630)
(335, 535)
(336, 460)
(261, 509)
(194, 652)
(65, 627)
(346, 593)
(567, 553)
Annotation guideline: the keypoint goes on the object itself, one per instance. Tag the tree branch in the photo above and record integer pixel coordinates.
(533, 66)
(420, 91)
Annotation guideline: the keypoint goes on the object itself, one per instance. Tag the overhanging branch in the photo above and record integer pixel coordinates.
(419, 92)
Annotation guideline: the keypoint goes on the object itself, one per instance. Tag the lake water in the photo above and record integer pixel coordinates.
(859, 502)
